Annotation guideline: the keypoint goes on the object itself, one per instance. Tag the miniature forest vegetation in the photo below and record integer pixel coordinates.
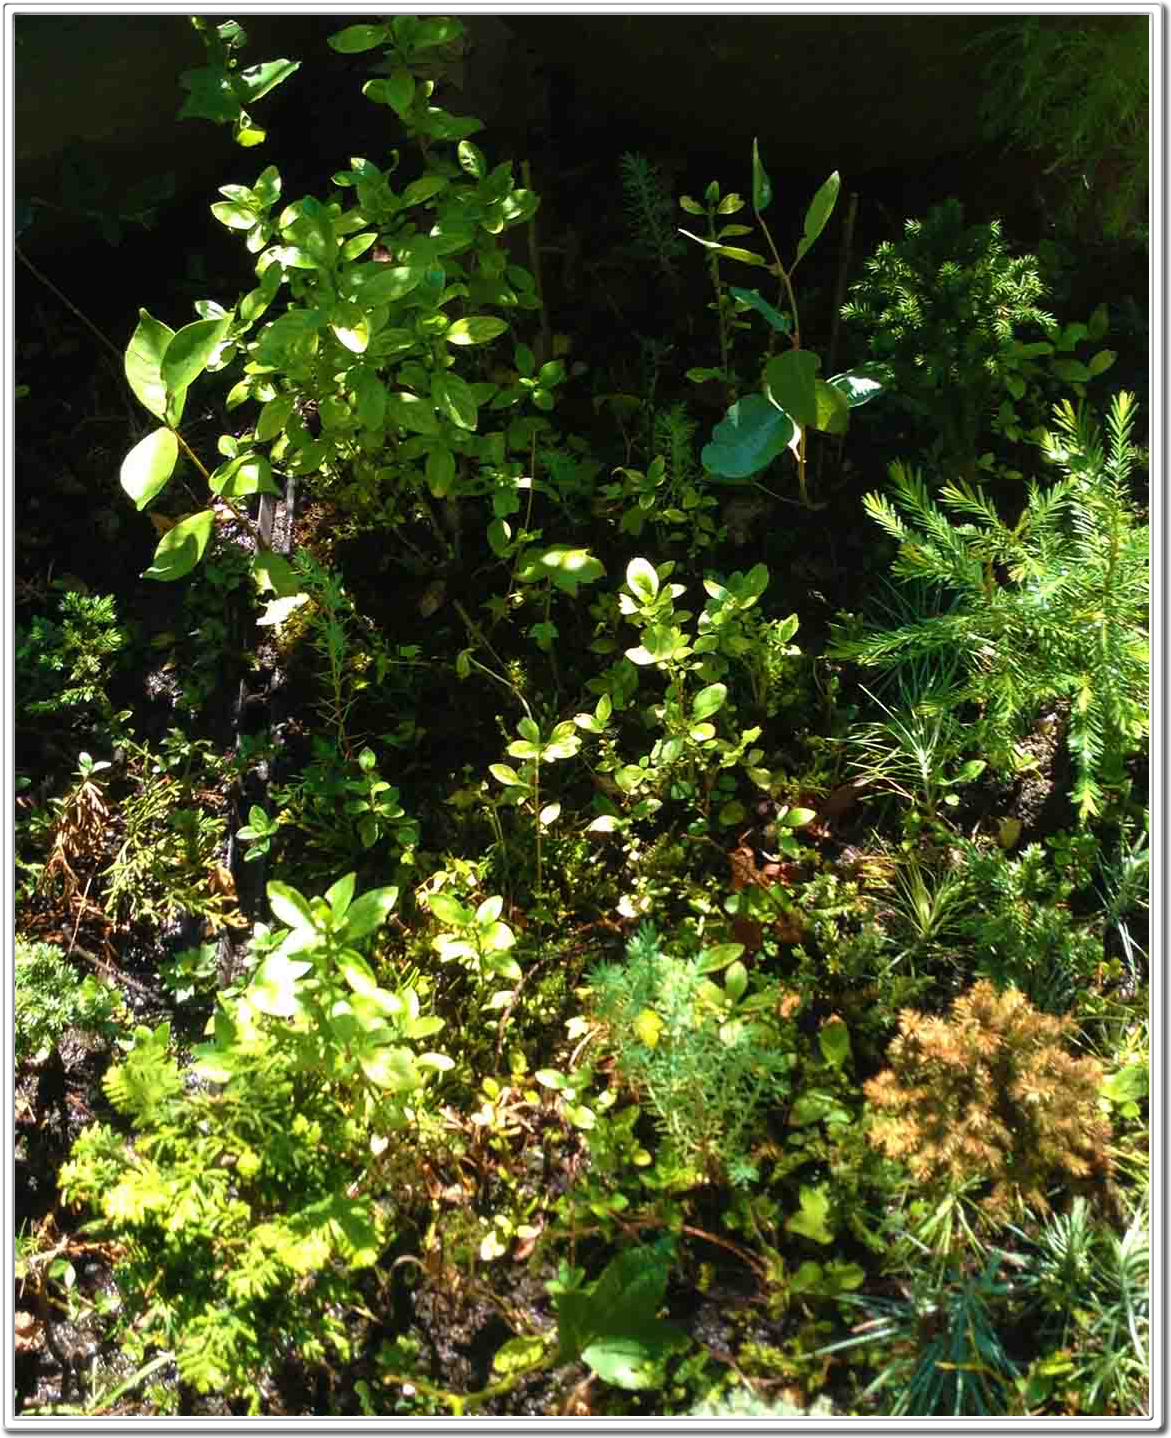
(581, 794)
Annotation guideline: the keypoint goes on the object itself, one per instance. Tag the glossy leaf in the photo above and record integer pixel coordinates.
(148, 466)
(762, 190)
(475, 330)
(181, 548)
(708, 701)
(143, 364)
(642, 580)
(861, 384)
(188, 353)
(791, 378)
(818, 214)
(749, 437)
(356, 38)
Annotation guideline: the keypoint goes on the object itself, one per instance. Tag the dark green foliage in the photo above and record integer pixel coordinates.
(1074, 90)
(1017, 927)
(942, 308)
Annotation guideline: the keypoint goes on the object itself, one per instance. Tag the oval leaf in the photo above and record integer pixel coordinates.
(143, 363)
(181, 548)
(149, 465)
(709, 700)
(475, 330)
(749, 437)
(792, 382)
(190, 350)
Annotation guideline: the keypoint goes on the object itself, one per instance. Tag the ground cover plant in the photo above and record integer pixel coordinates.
(543, 900)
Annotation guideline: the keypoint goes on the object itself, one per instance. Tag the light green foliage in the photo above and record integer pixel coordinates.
(51, 997)
(792, 399)
(1074, 91)
(387, 292)
(650, 212)
(477, 939)
(1049, 610)
(690, 744)
(65, 663)
(250, 1199)
(709, 1059)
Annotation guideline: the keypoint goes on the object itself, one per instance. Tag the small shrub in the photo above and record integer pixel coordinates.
(989, 1094)
(51, 997)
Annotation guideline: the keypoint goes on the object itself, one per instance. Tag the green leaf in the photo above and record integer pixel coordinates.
(1071, 370)
(274, 987)
(833, 1038)
(471, 158)
(374, 284)
(411, 412)
(439, 471)
(633, 1361)
(369, 912)
(1101, 362)
(356, 38)
(833, 408)
(762, 190)
(148, 466)
(244, 475)
(448, 910)
(709, 700)
(749, 437)
(399, 90)
(181, 548)
(143, 364)
(391, 1068)
(791, 378)
(453, 397)
(736, 980)
(273, 417)
(810, 1221)
(189, 351)
(475, 330)
(860, 384)
(289, 906)
(258, 80)
(340, 894)
(642, 580)
(818, 213)
(781, 323)
(234, 215)
(565, 565)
